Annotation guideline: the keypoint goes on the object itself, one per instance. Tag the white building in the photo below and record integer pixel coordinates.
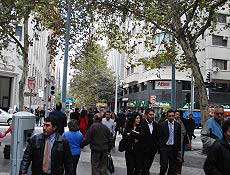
(39, 68)
(141, 85)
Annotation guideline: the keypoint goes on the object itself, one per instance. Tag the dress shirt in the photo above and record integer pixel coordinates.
(110, 124)
(171, 133)
(51, 139)
(150, 124)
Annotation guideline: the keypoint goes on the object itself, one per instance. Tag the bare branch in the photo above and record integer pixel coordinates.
(190, 15)
(209, 20)
(17, 42)
(137, 12)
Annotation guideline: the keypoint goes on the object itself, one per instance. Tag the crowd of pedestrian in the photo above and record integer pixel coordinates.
(142, 138)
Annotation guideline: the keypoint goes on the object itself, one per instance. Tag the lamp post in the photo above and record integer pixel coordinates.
(173, 88)
(64, 80)
(117, 81)
(192, 95)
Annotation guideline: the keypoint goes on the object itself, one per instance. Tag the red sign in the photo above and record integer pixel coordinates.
(153, 99)
(31, 83)
(163, 85)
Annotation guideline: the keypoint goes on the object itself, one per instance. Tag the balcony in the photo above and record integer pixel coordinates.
(218, 52)
(221, 76)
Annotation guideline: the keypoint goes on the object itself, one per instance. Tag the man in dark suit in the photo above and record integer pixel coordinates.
(60, 117)
(169, 143)
(149, 140)
(184, 138)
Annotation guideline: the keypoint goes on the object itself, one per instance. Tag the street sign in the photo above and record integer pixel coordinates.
(31, 83)
(68, 100)
(153, 99)
(40, 93)
(30, 94)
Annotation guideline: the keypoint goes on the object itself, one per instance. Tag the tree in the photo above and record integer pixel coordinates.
(14, 13)
(184, 20)
(92, 81)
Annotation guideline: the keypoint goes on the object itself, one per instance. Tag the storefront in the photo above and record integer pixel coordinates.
(5, 92)
(8, 86)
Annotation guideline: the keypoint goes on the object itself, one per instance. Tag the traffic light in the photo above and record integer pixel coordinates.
(49, 98)
(208, 78)
(52, 90)
(188, 97)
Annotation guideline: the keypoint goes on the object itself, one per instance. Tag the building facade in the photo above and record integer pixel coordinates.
(143, 88)
(40, 69)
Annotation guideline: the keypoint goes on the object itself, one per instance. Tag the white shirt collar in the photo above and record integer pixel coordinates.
(170, 122)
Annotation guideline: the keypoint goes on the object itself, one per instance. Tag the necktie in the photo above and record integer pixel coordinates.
(46, 157)
(171, 134)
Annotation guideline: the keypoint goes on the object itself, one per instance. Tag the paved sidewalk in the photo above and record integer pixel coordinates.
(193, 164)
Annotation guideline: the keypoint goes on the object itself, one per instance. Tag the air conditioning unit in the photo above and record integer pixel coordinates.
(225, 38)
(215, 69)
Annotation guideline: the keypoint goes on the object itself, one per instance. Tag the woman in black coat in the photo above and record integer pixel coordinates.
(217, 161)
(132, 136)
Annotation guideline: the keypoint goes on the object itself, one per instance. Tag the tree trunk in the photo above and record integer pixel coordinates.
(199, 82)
(25, 69)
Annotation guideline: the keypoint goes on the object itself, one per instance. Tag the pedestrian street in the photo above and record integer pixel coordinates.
(193, 164)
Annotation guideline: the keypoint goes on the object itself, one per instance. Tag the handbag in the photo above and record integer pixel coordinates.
(110, 165)
(122, 145)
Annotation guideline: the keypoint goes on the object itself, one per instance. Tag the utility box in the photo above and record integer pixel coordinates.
(23, 128)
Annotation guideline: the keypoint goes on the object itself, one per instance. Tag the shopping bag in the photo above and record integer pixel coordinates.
(122, 145)
(110, 165)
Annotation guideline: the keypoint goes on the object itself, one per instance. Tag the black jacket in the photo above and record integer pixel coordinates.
(61, 159)
(164, 134)
(191, 125)
(99, 137)
(217, 161)
(137, 135)
(61, 120)
(149, 141)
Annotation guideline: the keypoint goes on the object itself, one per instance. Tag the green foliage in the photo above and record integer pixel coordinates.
(57, 96)
(92, 81)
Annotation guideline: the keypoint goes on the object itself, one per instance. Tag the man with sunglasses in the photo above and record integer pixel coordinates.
(212, 130)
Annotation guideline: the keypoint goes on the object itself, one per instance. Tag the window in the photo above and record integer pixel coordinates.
(219, 40)
(186, 85)
(130, 90)
(221, 18)
(132, 70)
(128, 71)
(162, 37)
(221, 64)
(18, 32)
(143, 86)
(125, 91)
(33, 71)
(219, 87)
(135, 88)
(153, 85)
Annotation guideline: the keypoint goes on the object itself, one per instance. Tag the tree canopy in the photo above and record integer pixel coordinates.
(129, 23)
(92, 81)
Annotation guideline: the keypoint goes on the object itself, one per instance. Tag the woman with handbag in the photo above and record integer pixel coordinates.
(132, 136)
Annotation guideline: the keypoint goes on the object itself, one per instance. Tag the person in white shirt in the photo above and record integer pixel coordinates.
(169, 144)
(107, 121)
